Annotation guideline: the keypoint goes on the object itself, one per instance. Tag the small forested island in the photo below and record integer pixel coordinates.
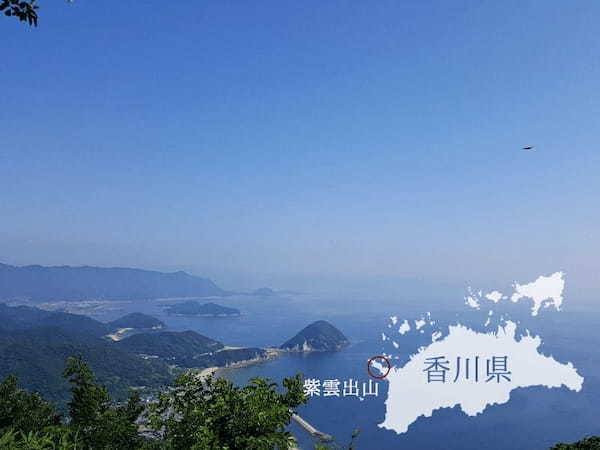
(318, 336)
(264, 292)
(194, 308)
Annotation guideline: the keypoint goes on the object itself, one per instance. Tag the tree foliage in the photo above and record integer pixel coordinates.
(24, 10)
(22, 411)
(99, 425)
(60, 438)
(196, 414)
(334, 446)
(589, 443)
(215, 414)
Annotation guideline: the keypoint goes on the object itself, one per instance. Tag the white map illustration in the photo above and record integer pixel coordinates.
(475, 369)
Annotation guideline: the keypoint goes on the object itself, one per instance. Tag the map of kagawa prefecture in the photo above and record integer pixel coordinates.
(474, 369)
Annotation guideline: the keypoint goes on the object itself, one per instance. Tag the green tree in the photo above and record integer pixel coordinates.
(589, 443)
(24, 10)
(89, 400)
(195, 414)
(334, 446)
(215, 414)
(99, 425)
(59, 438)
(22, 411)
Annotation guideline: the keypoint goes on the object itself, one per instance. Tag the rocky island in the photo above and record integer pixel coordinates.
(194, 308)
(318, 336)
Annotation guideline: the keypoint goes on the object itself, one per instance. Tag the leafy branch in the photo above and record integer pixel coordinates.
(24, 10)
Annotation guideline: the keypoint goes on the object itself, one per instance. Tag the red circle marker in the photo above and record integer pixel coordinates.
(387, 361)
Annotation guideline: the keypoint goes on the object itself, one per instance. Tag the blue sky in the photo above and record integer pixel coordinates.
(279, 142)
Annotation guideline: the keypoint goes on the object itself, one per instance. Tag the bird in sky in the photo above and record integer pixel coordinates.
(531, 147)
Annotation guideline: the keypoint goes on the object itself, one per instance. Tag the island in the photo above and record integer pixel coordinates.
(264, 292)
(194, 308)
(318, 336)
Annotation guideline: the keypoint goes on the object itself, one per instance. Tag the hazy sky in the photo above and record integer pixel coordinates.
(278, 142)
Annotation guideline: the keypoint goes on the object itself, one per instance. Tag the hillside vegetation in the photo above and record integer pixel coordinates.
(197, 414)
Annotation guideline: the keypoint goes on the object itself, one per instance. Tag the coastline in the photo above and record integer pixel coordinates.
(207, 372)
(271, 353)
(121, 333)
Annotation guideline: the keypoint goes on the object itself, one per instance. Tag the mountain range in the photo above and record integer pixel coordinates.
(40, 283)
(34, 345)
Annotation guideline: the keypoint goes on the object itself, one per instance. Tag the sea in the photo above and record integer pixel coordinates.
(534, 418)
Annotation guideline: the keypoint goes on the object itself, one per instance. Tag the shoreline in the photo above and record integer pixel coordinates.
(271, 353)
(120, 334)
(207, 372)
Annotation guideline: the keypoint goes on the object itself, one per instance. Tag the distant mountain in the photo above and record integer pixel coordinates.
(38, 283)
(26, 317)
(37, 357)
(187, 349)
(318, 336)
(264, 292)
(193, 308)
(137, 321)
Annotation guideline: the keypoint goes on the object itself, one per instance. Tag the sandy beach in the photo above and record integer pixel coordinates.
(208, 372)
(212, 371)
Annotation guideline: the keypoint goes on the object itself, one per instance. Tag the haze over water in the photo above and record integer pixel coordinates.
(534, 418)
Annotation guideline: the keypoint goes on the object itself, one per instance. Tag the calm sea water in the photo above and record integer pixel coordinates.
(534, 418)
